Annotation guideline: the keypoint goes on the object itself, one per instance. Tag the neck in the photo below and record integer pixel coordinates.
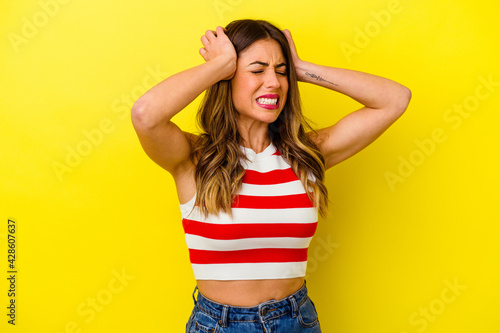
(254, 135)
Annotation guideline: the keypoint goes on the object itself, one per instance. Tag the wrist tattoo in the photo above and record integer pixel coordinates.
(319, 78)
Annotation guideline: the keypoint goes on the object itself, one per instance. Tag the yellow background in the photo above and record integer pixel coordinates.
(408, 217)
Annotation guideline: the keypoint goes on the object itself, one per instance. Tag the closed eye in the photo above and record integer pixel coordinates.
(279, 73)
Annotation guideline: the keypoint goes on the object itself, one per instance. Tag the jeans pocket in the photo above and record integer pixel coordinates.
(202, 323)
(308, 317)
(199, 328)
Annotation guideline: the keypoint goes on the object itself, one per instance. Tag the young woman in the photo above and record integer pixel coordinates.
(251, 185)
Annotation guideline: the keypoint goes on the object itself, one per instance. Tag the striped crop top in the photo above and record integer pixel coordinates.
(270, 231)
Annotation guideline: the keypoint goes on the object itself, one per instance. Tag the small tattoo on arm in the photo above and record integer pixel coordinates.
(319, 78)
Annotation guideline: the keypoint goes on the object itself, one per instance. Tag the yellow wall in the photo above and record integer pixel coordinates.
(412, 243)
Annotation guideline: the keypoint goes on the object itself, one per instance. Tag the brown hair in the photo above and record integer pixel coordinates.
(217, 151)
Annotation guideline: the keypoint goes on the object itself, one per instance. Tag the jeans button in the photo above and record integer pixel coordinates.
(264, 311)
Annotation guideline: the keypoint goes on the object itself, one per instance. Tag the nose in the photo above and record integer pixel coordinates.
(271, 80)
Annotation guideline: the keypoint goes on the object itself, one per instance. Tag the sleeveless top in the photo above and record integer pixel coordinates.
(269, 233)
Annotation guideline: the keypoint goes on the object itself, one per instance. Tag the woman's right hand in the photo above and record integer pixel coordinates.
(216, 45)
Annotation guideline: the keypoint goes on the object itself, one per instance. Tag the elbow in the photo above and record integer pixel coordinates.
(141, 118)
(401, 100)
(406, 96)
(137, 115)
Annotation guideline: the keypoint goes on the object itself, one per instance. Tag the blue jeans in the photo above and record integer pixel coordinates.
(295, 313)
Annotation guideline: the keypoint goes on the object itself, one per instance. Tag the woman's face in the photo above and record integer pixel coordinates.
(260, 84)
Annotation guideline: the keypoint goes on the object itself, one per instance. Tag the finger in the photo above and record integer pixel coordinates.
(210, 35)
(203, 53)
(288, 36)
(219, 31)
(204, 40)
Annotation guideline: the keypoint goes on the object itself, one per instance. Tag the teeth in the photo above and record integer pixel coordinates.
(267, 101)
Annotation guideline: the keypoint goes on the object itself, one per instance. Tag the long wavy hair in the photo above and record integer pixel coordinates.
(217, 153)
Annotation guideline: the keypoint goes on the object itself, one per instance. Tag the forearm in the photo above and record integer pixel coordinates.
(159, 104)
(370, 90)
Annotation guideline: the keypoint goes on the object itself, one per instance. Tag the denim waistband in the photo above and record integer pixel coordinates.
(261, 312)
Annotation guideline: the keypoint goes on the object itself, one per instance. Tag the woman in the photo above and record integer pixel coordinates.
(242, 183)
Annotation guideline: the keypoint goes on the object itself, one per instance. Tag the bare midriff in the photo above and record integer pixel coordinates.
(248, 292)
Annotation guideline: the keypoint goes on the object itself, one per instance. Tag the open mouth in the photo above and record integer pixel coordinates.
(269, 101)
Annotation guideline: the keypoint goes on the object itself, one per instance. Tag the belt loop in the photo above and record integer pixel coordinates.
(194, 292)
(224, 316)
(295, 309)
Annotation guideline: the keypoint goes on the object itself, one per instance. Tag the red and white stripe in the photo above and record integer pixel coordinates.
(270, 231)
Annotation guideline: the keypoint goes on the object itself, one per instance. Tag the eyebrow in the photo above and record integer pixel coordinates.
(266, 64)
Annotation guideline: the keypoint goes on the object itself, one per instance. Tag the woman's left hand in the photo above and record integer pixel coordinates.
(295, 56)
